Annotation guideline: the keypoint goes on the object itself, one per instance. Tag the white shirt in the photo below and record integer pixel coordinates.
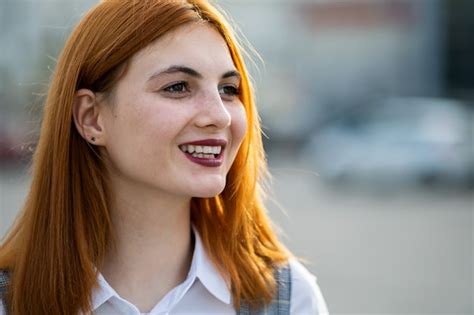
(205, 291)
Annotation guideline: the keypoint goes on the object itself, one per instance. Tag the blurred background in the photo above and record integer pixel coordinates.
(368, 111)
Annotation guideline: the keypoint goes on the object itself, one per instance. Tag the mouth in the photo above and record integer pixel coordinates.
(209, 152)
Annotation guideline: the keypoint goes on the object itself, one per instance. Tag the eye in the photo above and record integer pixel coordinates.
(178, 87)
(229, 90)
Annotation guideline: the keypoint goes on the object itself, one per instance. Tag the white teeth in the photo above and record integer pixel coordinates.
(206, 150)
(200, 155)
(203, 156)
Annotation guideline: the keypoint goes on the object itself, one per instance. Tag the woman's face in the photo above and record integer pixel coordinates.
(175, 122)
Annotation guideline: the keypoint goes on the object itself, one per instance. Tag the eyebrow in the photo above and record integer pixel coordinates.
(192, 72)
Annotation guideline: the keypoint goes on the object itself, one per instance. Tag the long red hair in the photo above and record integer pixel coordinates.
(64, 228)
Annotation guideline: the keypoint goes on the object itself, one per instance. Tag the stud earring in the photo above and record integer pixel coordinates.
(93, 139)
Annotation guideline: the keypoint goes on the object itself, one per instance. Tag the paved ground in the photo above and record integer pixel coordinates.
(373, 252)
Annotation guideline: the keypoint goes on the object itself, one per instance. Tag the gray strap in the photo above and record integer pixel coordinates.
(284, 290)
(4, 281)
(280, 305)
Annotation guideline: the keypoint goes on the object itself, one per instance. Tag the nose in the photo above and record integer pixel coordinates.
(213, 112)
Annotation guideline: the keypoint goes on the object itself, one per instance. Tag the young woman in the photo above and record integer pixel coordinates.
(146, 187)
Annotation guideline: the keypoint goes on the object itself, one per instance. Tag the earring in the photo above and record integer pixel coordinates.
(93, 139)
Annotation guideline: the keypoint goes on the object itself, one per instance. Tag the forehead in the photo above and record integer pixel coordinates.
(195, 45)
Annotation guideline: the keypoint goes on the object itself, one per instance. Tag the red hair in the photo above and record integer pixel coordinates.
(64, 228)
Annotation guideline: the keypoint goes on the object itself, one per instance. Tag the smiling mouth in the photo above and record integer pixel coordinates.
(202, 151)
(208, 152)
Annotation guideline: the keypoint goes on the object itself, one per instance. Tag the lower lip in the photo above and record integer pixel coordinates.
(213, 162)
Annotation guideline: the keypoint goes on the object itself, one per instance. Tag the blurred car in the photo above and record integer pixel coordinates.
(398, 141)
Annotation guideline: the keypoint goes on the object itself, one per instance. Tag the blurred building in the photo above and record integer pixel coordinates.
(326, 56)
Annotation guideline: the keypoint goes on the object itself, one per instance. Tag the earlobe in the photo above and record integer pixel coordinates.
(87, 117)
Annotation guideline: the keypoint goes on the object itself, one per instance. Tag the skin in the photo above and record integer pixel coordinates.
(139, 130)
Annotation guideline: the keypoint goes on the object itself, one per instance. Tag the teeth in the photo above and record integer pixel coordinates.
(200, 149)
(203, 156)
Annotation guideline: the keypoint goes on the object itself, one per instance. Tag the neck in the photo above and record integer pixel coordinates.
(152, 246)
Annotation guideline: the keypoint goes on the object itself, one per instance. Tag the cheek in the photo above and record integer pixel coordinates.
(238, 130)
(148, 120)
(141, 133)
(239, 124)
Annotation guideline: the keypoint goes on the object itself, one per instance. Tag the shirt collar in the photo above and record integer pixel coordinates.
(202, 268)
(102, 292)
(208, 274)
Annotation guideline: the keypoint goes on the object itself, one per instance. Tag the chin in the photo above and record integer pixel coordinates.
(209, 190)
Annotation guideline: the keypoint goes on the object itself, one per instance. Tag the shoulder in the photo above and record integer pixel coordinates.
(306, 296)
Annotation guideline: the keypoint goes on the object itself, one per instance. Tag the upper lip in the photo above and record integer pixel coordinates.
(208, 142)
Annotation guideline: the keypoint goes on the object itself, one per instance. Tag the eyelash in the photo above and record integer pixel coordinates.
(234, 90)
(172, 89)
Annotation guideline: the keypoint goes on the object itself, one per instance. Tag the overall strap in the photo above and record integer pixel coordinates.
(280, 305)
(4, 281)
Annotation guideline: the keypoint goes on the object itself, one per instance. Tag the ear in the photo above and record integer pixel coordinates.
(87, 117)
